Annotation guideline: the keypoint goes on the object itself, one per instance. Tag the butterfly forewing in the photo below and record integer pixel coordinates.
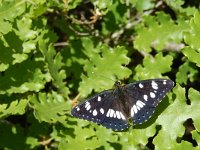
(143, 97)
(94, 109)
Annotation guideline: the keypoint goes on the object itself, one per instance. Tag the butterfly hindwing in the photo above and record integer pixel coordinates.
(115, 118)
(144, 96)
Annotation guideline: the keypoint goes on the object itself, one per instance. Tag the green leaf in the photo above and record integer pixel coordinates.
(33, 142)
(115, 17)
(192, 55)
(24, 30)
(9, 10)
(36, 131)
(5, 26)
(158, 32)
(49, 107)
(142, 5)
(194, 97)
(28, 46)
(172, 119)
(101, 4)
(5, 57)
(12, 136)
(18, 58)
(128, 141)
(54, 65)
(33, 78)
(82, 141)
(153, 67)
(192, 38)
(73, 4)
(85, 138)
(102, 68)
(187, 71)
(177, 6)
(3, 67)
(183, 145)
(196, 136)
(14, 108)
(102, 132)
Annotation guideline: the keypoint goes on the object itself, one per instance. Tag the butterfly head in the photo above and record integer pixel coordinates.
(117, 84)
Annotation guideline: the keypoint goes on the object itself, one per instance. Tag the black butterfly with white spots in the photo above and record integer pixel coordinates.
(113, 108)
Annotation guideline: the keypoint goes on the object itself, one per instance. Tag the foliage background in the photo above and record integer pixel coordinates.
(55, 53)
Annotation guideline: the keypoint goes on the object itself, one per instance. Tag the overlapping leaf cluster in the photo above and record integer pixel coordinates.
(53, 54)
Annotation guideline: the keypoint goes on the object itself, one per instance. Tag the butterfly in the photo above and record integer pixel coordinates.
(113, 108)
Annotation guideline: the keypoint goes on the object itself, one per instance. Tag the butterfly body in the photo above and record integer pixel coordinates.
(113, 108)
